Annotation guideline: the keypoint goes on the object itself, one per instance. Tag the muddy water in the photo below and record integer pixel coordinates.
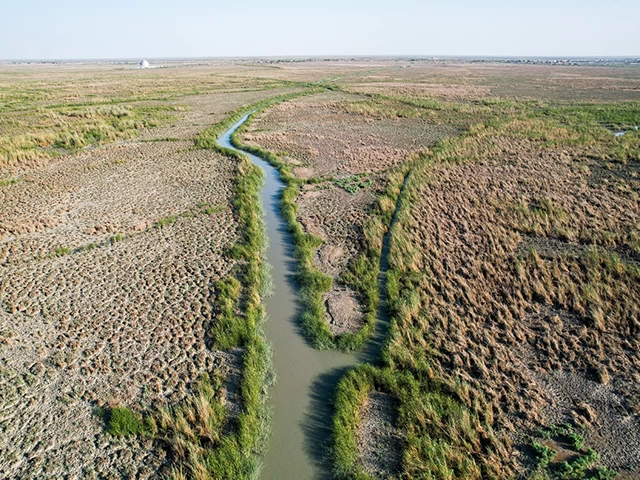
(306, 378)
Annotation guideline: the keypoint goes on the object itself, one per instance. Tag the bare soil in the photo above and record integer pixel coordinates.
(338, 218)
(343, 310)
(101, 305)
(379, 441)
(321, 139)
(612, 431)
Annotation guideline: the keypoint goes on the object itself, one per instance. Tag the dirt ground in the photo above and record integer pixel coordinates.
(379, 440)
(107, 270)
(109, 255)
(320, 139)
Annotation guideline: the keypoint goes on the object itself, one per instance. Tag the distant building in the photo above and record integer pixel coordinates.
(144, 64)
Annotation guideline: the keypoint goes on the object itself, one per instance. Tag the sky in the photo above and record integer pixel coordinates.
(133, 29)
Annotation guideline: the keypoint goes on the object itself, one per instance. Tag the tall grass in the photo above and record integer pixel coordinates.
(72, 128)
(448, 423)
(443, 438)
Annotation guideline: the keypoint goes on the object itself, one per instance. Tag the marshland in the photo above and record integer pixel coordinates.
(355, 269)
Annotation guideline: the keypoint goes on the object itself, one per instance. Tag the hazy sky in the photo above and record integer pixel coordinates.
(50, 29)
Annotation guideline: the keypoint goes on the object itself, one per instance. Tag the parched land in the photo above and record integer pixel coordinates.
(488, 210)
(111, 261)
(529, 275)
(102, 302)
(347, 155)
(321, 138)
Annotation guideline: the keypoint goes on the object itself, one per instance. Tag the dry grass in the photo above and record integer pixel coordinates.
(510, 261)
(47, 112)
(514, 263)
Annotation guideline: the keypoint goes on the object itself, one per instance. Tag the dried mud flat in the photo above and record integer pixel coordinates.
(107, 270)
(195, 113)
(320, 139)
(379, 441)
(612, 431)
(338, 218)
(525, 330)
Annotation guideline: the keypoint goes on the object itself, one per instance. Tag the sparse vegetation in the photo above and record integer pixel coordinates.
(8, 181)
(583, 463)
(194, 430)
(165, 221)
(353, 183)
(421, 284)
(148, 300)
(44, 115)
(207, 209)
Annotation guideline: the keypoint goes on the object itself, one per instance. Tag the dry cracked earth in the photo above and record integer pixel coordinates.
(108, 261)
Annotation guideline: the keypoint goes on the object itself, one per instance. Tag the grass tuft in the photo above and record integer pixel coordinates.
(124, 422)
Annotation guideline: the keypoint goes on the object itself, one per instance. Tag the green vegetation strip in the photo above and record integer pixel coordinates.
(193, 430)
(313, 283)
(442, 437)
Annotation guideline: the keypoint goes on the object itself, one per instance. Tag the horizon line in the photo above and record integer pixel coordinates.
(322, 56)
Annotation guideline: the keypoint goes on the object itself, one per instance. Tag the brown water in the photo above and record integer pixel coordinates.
(306, 378)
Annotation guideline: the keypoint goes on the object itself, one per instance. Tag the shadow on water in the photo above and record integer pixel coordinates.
(318, 422)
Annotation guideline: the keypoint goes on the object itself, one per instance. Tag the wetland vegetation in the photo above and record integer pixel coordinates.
(478, 224)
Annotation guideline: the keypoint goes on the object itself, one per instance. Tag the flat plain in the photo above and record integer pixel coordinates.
(111, 252)
(487, 209)
(513, 262)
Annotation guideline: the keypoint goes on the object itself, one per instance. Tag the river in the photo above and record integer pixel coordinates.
(306, 377)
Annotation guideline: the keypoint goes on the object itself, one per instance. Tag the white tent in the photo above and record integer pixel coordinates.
(144, 64)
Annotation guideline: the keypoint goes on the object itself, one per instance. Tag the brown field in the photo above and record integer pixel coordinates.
(109, 256)
(514, 261)
(545, 310)
(101, 306)
(321, 139)
(522, 250)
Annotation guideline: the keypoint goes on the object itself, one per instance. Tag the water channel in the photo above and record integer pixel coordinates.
(306, 377)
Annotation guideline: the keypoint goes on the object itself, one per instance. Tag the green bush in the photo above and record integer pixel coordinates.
(165, 221)
(543, 453)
